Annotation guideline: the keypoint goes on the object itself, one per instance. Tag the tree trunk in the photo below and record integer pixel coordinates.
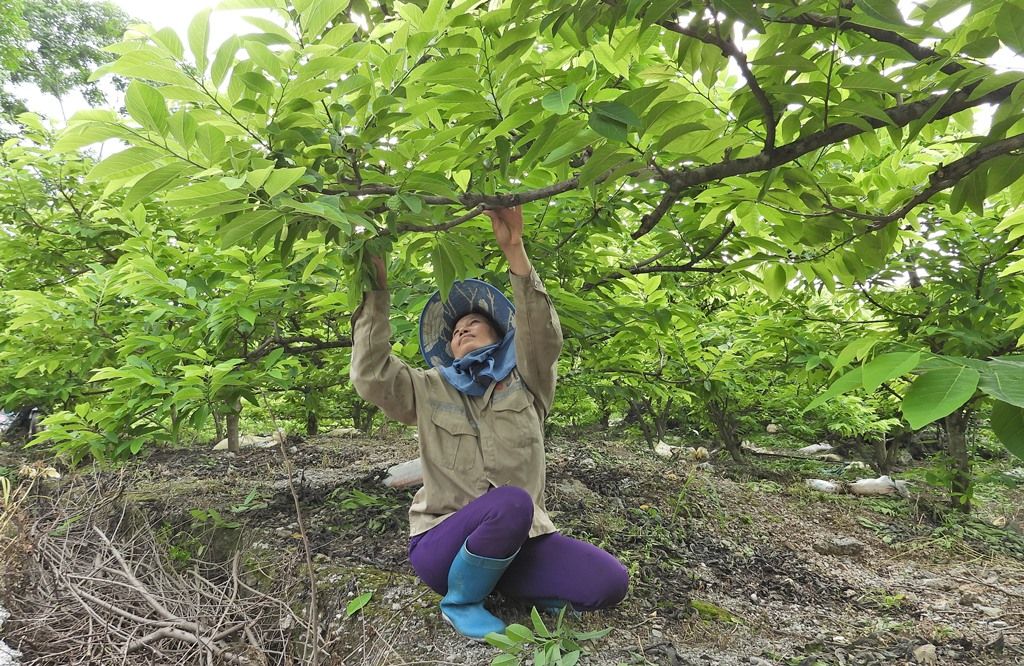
(232, 419)
(960, 462)
(312, 423)
(719, 414)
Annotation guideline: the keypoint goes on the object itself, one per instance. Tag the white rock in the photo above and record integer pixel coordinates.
(344, 432)
(823, 486)
(925, 655)
(883, 485)
(405, 475)
(663, 450)
(772, 429)
(246, 441)
(815, 448)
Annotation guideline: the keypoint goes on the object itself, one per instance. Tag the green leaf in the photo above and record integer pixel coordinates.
(246, 225)
(519, 633)
(281, 179)
(155, 181)
(357, 604)
(224, 59)
(938, 393)
(882, 10)
(867, 80)
(593, 635)
(889, 366)
(1009, 26)
(857, 349)
(147, 107)
(775, 280)
(1008, 424)
(538, 623)
(122, 165)
(199, 38)
(1003, 381)
(743, 10)
(609, 129)
(505, 660)
(851, 380)
(558, 102)
(444, 270)
(618, 112)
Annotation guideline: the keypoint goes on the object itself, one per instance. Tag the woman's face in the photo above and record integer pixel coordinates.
(471, 332)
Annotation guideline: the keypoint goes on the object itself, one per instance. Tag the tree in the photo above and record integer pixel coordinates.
(726, 150)
(56, 45)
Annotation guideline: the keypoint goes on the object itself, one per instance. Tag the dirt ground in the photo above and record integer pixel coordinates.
(729, 565)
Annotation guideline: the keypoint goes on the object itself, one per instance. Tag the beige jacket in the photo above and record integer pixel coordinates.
(467, 443)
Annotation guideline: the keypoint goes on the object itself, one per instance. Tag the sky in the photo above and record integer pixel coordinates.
(176, 14)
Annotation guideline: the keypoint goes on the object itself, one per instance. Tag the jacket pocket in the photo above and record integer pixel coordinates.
(456, 440)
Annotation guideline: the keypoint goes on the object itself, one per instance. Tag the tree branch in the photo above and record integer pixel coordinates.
(730, 50)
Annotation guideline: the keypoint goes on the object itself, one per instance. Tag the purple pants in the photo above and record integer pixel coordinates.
(551, 566)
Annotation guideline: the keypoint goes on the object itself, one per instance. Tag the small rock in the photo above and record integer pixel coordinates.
(925, 655)
(937, 583)
(283, 532)
(772, 429)
(989, 611)
(970, 599)
(657, 633)
(840, 546)
(758, 661)
(998, 624)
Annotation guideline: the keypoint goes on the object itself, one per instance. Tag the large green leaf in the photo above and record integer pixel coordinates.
(938, 393)
(1004, 381)
(127, 163)
(851, 380)
(199, 38)
(1010, 25)
(246, 225)
(1008, 424)
(559, 101)
(889, 366)
(147, 107)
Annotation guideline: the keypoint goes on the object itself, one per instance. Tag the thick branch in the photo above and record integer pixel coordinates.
(900, 116)
(651, 219)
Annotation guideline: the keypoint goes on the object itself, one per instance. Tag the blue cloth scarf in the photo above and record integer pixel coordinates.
(477, 370)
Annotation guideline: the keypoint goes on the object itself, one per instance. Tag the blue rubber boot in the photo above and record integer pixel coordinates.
(470, 579)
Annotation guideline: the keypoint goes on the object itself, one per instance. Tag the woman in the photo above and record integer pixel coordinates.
(479, 520)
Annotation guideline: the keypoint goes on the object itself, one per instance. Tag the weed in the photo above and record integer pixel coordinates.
(254, 501)
(200, 517)
(378, 513)
(559, 646)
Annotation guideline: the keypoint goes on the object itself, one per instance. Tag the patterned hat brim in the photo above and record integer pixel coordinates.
(439, 317)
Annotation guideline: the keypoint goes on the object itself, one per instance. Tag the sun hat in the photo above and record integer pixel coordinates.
(439, 317)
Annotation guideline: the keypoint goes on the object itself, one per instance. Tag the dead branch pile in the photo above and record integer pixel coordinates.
(103, 589)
